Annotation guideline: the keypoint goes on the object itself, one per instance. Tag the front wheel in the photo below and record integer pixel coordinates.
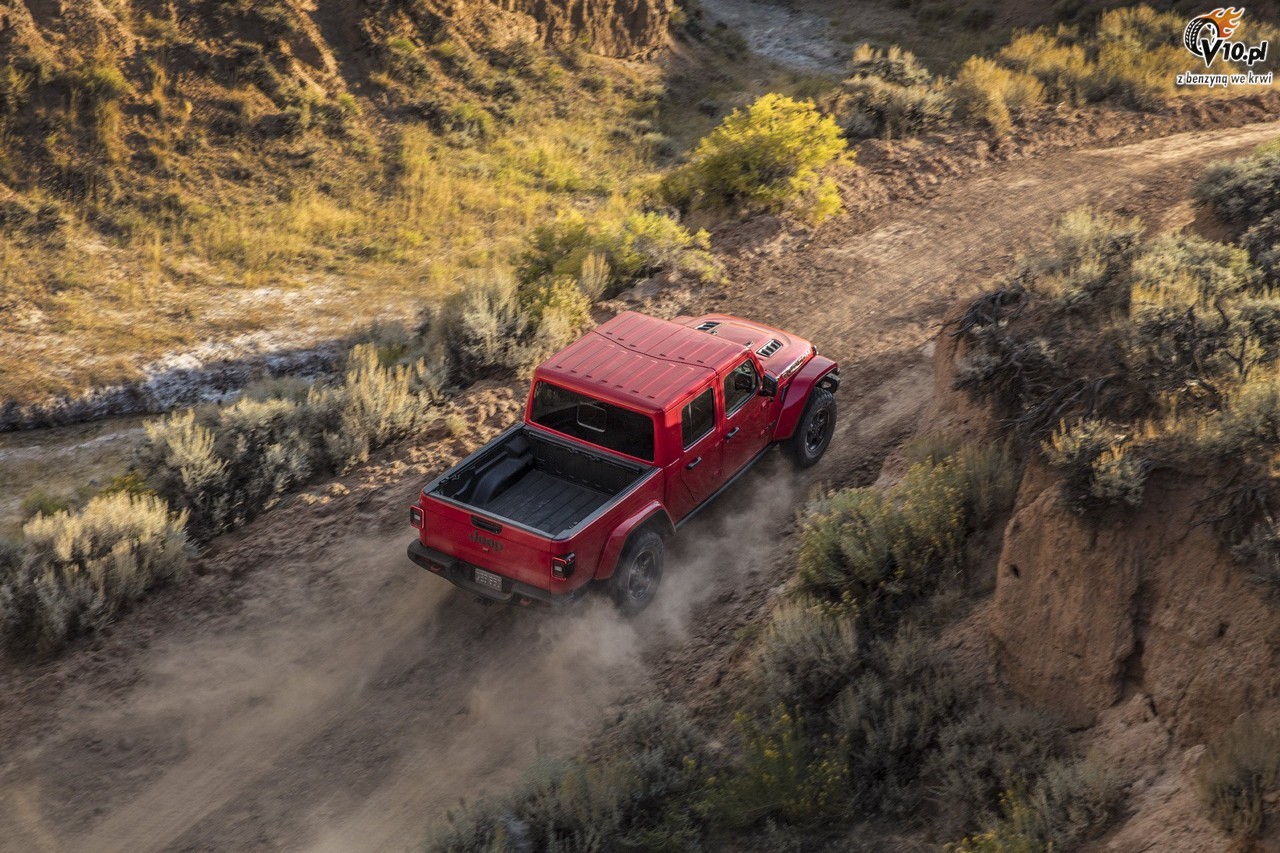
(635, 581)
(813, 433)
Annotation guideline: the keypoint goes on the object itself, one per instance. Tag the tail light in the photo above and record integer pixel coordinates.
(415, 516)
(562, 567)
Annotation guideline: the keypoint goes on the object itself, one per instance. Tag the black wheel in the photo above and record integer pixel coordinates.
(635, 581)
(813, 433)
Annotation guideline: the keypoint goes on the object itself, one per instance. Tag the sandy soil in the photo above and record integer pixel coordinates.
(310, 689)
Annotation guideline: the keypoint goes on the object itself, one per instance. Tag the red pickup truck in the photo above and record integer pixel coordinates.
(627, 433)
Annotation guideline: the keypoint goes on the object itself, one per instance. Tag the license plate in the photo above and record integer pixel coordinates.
(489, 579)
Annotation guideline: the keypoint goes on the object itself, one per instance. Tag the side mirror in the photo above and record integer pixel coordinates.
(769, 386)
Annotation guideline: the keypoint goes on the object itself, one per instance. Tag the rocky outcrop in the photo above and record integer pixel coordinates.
(1089, 612)
(608, 27)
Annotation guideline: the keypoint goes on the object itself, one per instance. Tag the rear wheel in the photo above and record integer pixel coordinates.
(635, 581)
(813, 433)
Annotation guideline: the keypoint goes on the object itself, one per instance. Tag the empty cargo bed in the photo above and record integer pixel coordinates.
(545, 502)
(538, 481)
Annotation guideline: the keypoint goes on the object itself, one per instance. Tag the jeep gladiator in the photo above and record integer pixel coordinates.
(627, 433)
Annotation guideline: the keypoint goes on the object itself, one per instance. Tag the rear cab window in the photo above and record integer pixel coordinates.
(592, 421)
(698, 418)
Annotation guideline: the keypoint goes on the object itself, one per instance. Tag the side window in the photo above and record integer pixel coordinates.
(698, 418)
(740, 384)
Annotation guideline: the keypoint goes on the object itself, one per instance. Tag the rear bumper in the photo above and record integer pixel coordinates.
(461, 574)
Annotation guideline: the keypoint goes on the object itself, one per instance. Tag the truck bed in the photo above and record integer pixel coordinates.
(538, 481)
(546, 502)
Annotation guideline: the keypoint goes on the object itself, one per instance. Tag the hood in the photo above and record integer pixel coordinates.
(777, 349)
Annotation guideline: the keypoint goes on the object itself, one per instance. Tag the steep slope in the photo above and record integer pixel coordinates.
(260, 176)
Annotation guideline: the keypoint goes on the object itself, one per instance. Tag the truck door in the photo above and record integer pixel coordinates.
(700, 466)
(746, 421)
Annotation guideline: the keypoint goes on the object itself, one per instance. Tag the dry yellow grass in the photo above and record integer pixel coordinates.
(310, 236)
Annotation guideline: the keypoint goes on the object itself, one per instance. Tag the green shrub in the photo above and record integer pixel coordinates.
(1062, 67)
(1118, 476)
(621, 251)
(404, 61)
(992, 476)
(487, 330)
(469, 121)
(1098, 465)
(987, 91)
(226, 465)
(1089, 254)
(15, 89)
(636, 801)
(595, 275)
(1250, 421)
(869, 106)
(890, 719)
(559, 248)
(779, 773)
(1013, 833)
(888, 93)
(1133, 54)
(1238, 769)
(805, 657)
(1071, 803)
(374, 405)
(1012, 371)
(1260, 550)
(981, 751)
(1242, 191)
(874, 553)
(1075, 800)
(1262, 242)
(40, 502)
(1175, 264)
(648, 242)
(764, 158)
(1193, 319)
(559, 312)
(101, 82)
(891, 64)
(74, 571)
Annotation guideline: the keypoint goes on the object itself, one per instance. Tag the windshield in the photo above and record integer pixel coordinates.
(592, 421)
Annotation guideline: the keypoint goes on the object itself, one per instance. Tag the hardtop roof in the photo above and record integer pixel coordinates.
(640, 362)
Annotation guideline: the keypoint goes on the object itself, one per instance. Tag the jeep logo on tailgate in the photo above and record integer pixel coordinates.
(484, 541)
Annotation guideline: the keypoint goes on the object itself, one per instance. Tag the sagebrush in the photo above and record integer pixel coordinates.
(73, 571)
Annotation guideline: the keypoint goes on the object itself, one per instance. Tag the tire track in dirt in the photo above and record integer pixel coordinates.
(333, 697)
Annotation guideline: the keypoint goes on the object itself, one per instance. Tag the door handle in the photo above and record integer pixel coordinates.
(731, 433)
(694, 464)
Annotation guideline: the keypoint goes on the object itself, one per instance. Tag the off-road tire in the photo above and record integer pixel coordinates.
(635, 581)
(813, 432)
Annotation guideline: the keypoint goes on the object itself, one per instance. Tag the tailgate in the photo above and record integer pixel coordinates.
(506, 549)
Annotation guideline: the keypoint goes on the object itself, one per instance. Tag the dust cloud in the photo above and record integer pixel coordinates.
(560, 676)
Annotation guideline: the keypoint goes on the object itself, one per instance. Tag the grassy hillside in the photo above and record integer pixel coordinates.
(169, 178)
(268, 175)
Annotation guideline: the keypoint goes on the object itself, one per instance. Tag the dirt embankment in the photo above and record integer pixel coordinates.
(311, 689)
(1138, 628)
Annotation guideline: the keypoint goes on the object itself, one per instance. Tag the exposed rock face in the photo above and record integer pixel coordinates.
(1091, 612)
(608, 27)
(1088, 612)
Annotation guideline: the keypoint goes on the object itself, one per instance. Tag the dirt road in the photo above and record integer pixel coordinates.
(312, 690)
